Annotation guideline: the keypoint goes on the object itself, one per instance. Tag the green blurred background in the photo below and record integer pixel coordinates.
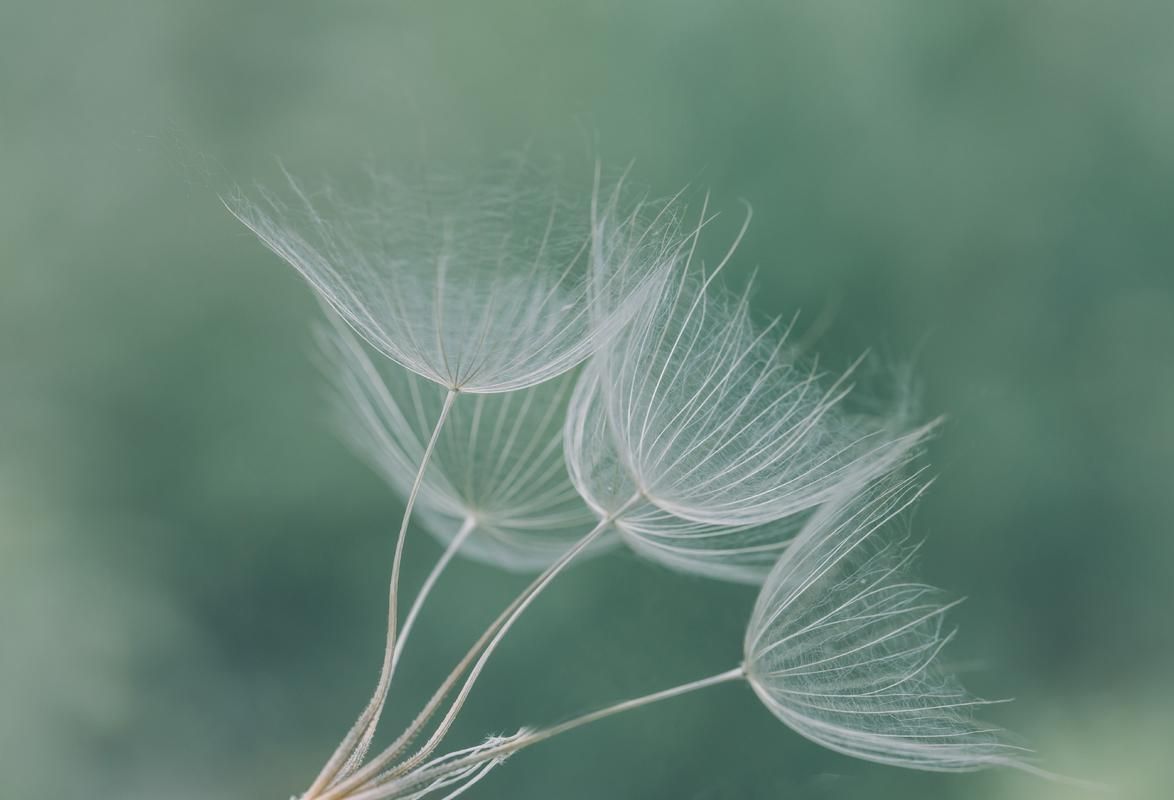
(193, 568)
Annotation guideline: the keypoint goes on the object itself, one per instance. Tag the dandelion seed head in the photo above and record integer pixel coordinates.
(726, 439)
(480, 286)
(843, 646)
(719, 422)
(735, 553)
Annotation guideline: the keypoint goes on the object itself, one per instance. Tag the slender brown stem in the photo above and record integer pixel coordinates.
(467, 527)
(483, 756)
(475, 658)
(364, 727)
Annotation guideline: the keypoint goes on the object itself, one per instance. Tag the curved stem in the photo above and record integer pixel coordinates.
(364, 727)
(388, 790)
(450, 550)
(543, 734)
(450, 715)
(484, 646)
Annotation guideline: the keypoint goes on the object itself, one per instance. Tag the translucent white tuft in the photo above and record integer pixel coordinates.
(742, 554)
(724, 440)
(718, 423)
(842, 645)
(497, 467)
(485, 287)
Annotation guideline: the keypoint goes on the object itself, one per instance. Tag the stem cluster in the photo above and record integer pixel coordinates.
(393, 772)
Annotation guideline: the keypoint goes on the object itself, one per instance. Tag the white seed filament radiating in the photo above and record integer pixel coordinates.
(486, 287)
(843, 646)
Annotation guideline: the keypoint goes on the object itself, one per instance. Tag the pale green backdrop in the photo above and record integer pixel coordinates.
(192, 568)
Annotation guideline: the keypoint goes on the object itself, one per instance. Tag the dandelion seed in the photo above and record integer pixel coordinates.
(727, 442)
(496, 478)
(485, 287)
(740, 553)
(842, 645)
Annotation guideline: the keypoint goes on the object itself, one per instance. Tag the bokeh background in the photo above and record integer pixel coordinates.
(193, 568)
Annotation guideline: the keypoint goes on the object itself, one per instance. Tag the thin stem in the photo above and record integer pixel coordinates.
(484, 646)
(447, 721)
(450, 550)
(628, 705)
(364, 727)
(514, 745)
